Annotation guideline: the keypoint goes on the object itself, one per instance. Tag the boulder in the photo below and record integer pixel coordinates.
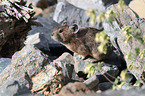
(29, 60)
(14, 88)
(66, 12)
(130, 92)
(127, 35)
(47, 27)
(72, 89)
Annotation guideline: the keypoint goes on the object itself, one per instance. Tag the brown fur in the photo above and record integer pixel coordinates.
(81, 42)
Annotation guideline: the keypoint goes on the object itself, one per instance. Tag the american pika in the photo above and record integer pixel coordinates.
(81, 41)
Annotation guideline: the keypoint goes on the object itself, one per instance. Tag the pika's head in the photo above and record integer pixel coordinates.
(65, 33)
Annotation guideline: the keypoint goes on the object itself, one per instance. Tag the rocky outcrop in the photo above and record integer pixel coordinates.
(29, 60)
(128, 28)
(65, 12)
(30, 71)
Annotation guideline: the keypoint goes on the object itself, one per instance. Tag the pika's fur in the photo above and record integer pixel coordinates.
(81, 41)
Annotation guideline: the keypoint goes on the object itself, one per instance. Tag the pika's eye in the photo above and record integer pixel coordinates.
(61, 30)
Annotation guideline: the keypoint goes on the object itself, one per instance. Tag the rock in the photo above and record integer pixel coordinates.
(45, 3)
(72, 89)
(104, 86)
(12, 37)
(138, 7)
(80, 64)
(94, 4)
(101, 70)
(14, 88)
(39, 40)
(130, 92)
(66, 62)
(48, 82)
(91, 4)
(71, 14)
(48, 25)
(4, 62)
(91, 82)
(45, 36)
(135, 46)
(28, 60)
(107, 73)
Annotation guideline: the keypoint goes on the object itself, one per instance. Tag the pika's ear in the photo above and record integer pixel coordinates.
(74, 28)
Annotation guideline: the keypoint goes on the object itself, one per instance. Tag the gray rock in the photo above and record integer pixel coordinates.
(4, 62)
(134, 47)
(14, 88)
(66, 12)
(94, 4)
(11, 88)
(43, 35)
(130, 92)
(66, 62)
(29, 59)
(39, 40)
(104, 86)
(91, 82)
(103, 71)
(48, 27)
(72, 89)
(88, 4)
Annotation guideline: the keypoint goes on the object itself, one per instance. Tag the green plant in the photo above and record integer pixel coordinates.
(92, 13)
(121, 80)
(127, 31)
(142, 54)
(121, 4)
(89, 69)
(101, 17)
(110, 15)
(103, 39)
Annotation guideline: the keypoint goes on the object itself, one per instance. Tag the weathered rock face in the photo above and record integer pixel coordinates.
(130, 92)
(71, 14)
(39, 40)
(67, 61)
(94, 4)
(4, 62)
(14, 88)
(48, 25)
(29, 59)
(133, 47)
(91, 4)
